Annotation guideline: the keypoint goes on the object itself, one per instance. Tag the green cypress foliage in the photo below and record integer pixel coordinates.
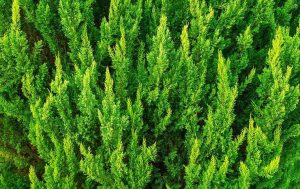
(158, 63)
(149, 94)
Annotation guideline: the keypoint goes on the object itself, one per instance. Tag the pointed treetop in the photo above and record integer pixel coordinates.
(85, 54)
(58, 75)
(222, 68)
(162, 26)
(275, 52)
(123, 41)
(245, 40)
(108, 82)
(59, 85)
(185, 41)
(15, 13)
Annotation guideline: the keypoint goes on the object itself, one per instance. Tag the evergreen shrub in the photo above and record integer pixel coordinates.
(149, 94)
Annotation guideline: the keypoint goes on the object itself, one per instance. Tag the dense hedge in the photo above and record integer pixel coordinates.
(149, 94)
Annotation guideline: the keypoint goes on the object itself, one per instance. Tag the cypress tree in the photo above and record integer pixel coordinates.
(149, 94)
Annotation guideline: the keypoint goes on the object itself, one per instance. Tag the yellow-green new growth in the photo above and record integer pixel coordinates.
(15, 14)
